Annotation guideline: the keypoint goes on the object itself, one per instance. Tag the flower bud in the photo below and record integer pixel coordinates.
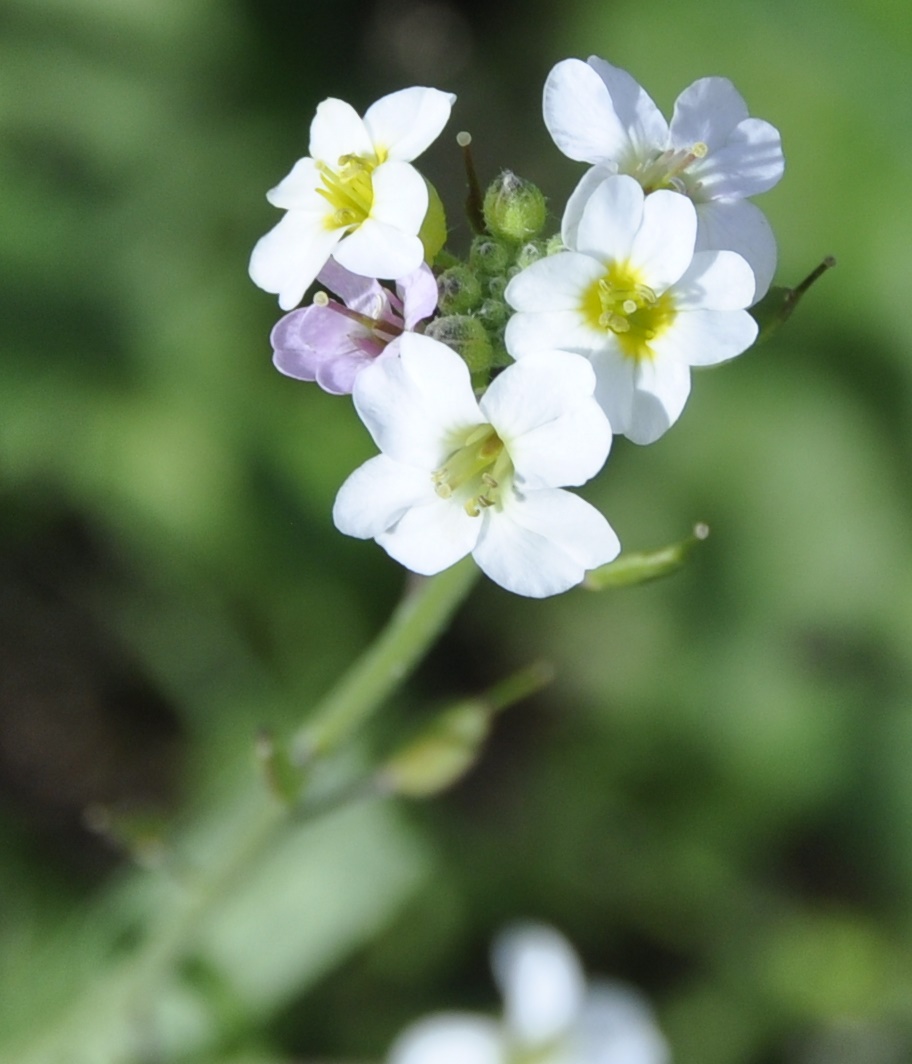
(528, 254)
(488, 256)
(493, 312)
(467, 336)
(496, 287)
(460, 290)
(514, 209)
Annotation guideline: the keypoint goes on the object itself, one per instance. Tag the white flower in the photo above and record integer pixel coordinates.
(550, 1015)
(355, 197)
(633, 297)
(712, 151)
(460, 476)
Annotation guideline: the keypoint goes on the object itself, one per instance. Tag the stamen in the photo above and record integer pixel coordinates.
(477, 434)
(622, 304)
(667, 168)
(344, 217)
(380, 331)
(349, 190)
(476, 470)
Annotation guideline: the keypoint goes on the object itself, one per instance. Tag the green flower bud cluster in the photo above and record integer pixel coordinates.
(474, 312)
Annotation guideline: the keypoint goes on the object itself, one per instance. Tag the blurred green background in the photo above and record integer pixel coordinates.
(713, 800)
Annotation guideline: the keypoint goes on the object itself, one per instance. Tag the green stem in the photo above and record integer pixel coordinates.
(415, 626)
(256, 821)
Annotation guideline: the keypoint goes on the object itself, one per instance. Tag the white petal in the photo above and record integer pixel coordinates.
(541, 980)
(404, 123)
(288, 258)
(750, 162)
(580, 116)
(543, 543)
(617, 1026)
(645, 125)
(661, 387)
(579, 197)
(531, 394)
(715, 280)
(377, 495)
(566, 452)
(338, 130)
(400, 196)
(413, 403)
(614, 386)
(543, 410)
(737, 225)
(610, 219)
(430, 538)
(664, 245)
(386, 244)
(706, 337)
(298, 189)
(554, 283)
(378, 250)
(559, 330)
(449, 1038)
(707, 111)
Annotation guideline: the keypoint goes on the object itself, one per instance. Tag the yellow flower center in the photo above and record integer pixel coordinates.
(349, 190)
(621, 303)
(476, 472)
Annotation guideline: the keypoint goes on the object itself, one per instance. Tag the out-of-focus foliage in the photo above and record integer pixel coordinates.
(713, 800)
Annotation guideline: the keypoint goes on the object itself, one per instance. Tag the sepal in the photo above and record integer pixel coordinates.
(433, 231)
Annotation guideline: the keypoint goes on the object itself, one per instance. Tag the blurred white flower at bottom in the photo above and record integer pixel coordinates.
(551, 1015)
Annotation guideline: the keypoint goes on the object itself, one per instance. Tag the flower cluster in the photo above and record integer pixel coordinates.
(551, 1015)
(491, 385)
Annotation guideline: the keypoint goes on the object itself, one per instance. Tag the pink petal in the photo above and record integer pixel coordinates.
(318, 343)
(419, 295)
